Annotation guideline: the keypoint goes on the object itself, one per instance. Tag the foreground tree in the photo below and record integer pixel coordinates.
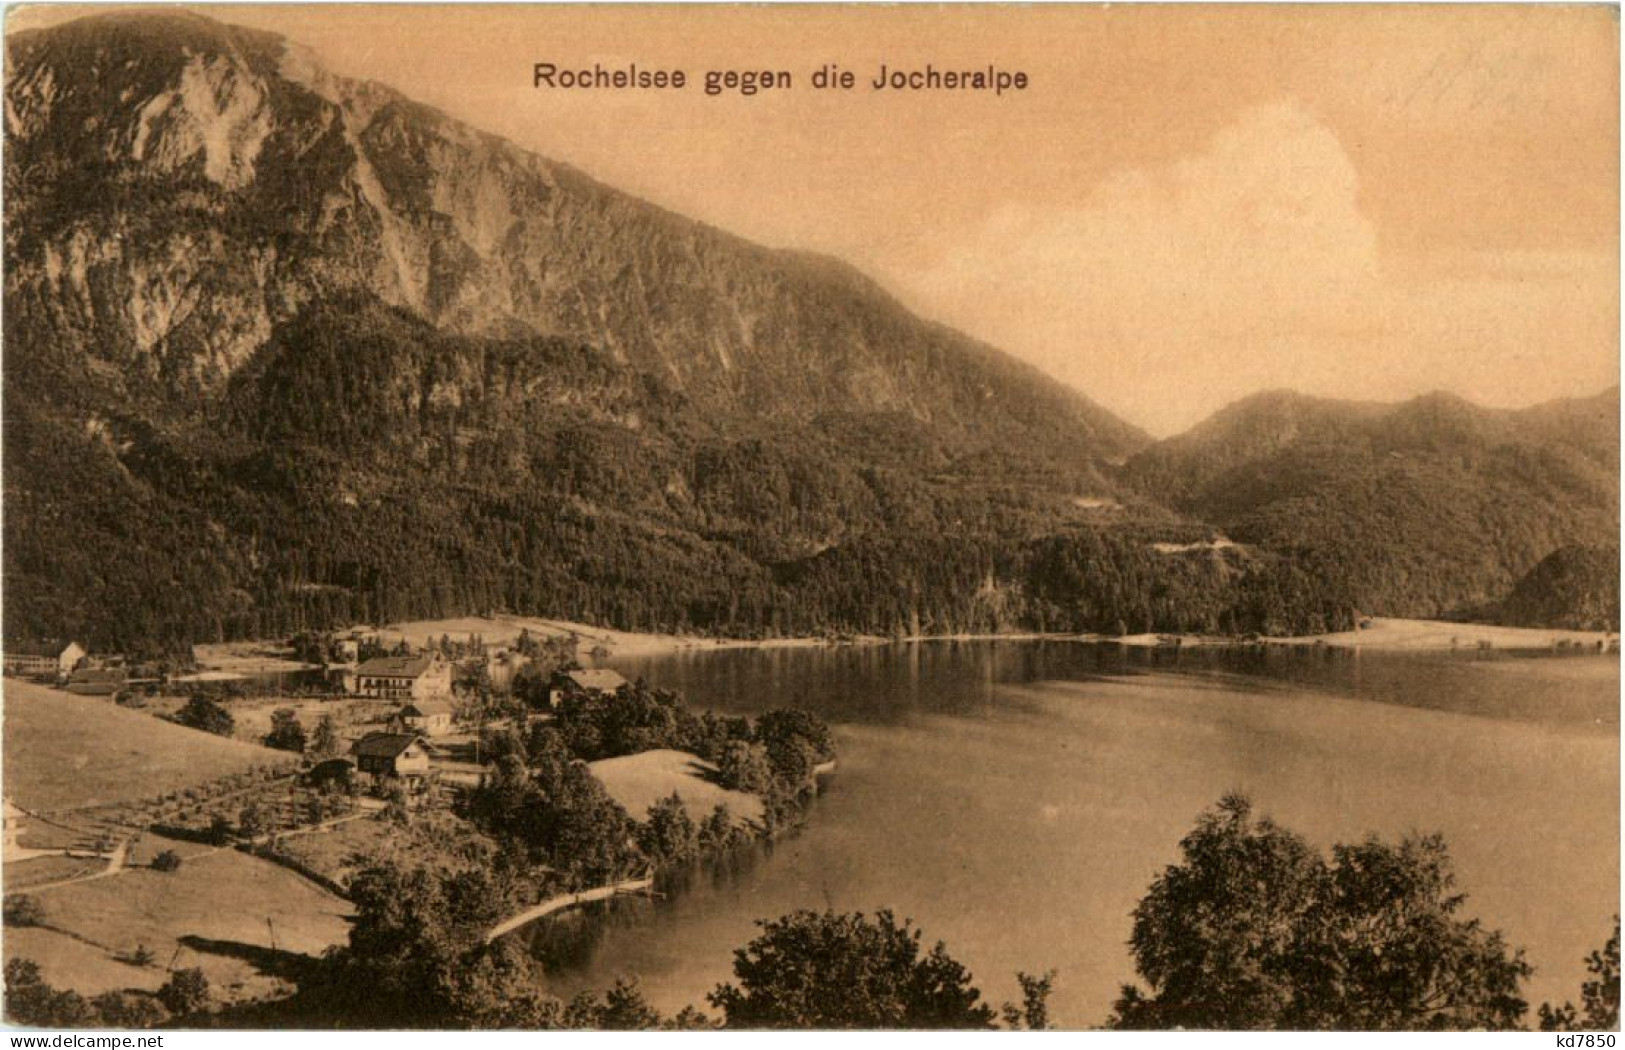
(1599, 997)
(1254, 929)
(824, 970)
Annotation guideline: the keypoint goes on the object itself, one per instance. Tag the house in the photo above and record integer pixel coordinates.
(45, 661)
(429, 717)
(98, 681)
(424, 677)
(392, 755)
(601, 680)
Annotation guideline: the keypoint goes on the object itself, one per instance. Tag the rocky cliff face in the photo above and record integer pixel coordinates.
(180, 187)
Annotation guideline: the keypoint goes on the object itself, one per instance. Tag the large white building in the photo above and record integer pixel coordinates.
(404, 678)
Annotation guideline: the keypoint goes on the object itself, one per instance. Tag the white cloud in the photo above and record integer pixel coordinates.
(1170, 291)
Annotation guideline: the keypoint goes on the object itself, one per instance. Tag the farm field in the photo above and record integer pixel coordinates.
(639, 781)
(233, 915)
(65, 752)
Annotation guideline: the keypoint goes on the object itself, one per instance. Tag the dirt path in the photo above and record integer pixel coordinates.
(567, 900)
(115, 865)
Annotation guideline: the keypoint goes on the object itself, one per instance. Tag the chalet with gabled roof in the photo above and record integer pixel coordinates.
(392, 755)
(597, 680)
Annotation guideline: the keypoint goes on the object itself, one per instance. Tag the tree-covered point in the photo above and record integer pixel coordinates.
(540, 796)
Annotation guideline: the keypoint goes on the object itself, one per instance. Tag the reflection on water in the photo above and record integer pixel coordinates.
(1016, 798)
(890, 683)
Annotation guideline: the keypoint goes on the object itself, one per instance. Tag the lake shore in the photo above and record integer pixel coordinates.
(602, 644)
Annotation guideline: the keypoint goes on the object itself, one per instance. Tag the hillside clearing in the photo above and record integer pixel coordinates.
(65, 752)
(223, 912)
(639, 781)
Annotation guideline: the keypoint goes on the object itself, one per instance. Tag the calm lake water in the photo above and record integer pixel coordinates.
(1017, 798)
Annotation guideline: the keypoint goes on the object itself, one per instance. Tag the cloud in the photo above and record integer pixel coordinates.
(1169, 291)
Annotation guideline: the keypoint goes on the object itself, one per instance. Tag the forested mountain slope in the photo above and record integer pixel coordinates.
(1432, 507)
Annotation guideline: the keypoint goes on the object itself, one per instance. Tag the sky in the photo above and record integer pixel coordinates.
(1187, 205)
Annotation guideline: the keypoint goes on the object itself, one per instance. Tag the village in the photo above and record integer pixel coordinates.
(158, 822)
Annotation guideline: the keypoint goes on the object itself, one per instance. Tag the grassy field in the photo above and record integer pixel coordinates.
(38, 871)
(67, 963)
(342, 851)
(212, 914)
(66, 752)
(639, 781)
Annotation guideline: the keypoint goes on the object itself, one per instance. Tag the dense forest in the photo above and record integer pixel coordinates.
(368, 468)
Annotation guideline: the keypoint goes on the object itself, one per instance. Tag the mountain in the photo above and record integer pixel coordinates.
(190, 186)
(286, 350)
(1432, 507)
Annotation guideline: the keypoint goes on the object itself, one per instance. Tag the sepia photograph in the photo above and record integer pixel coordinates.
(684, 517)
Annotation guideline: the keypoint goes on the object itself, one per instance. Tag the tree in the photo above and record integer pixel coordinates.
(287, 734)
(202, 713)
(530, 687)
(1599, 997)
(186, 992)
(824, 970)
(22, 909)
(1254, 929)
(1033, 1013)
(623, 1009)
(129, 1010)
(794, 723)
(255, 819)
(30, 1001)
(324, 741)
(168, 860)
(669, 836)
(719, 830)
(744, 766)
(417, 956)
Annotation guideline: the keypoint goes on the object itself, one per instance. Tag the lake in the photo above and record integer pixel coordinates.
(1016, 798)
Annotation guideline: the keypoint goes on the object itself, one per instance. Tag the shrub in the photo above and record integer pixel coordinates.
(23, 910)
(168, 860)
(186, 992)
(202, 713)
